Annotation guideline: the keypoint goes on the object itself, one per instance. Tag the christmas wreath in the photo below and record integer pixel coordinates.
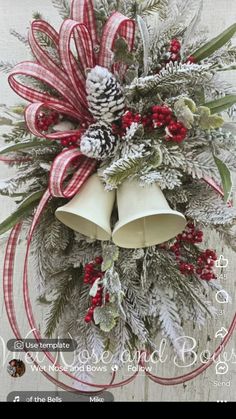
(124, 159)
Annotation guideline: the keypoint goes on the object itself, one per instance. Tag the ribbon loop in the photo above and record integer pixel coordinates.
(84, 47)
(59, 170)
(117, 25)
(83, 12)
(44, 75)
(42, 56)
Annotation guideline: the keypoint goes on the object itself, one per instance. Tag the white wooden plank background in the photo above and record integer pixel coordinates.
(16, 14)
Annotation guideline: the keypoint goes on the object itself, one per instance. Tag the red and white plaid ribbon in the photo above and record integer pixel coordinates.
(64, 73)
(68, 79)
(117, 25)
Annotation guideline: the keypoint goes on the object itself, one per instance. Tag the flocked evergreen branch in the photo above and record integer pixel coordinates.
(121, 169)
(64, 291)
(63, 8)
(147, 7)
(6, 66)
(175, 77)
(17, 134)
(210, 209)
(20, 37)
(170, 321)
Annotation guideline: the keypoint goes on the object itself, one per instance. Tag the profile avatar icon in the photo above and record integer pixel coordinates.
(16, 368)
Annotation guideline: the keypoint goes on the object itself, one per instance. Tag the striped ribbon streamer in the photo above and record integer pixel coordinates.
(67, 78)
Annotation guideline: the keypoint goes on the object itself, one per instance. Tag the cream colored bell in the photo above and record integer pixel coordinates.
(89, 212)
(145, 218)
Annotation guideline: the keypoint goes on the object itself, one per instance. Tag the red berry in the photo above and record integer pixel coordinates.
(174, 49)
(191, 59)
(210, 262)
(155, 116)
(64, 142)
(88, 318)
(156, 109)
(166, 111)
(208, 276)
(98, 260)
(89, 268)
(200, 261)
(175, 57)
(190, 225)
(137, 118)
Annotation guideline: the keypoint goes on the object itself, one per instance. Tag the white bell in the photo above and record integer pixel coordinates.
(145, 218)
(89, 212)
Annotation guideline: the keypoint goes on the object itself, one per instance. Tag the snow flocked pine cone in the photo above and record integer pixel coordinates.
(98, 141)
(105, 97)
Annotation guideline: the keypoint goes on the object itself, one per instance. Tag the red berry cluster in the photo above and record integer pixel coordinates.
(174, 49)
(190, 235)
(186, 268)
(162, 116)
(204, 264)
(92, 273)
(71, 141)
(45, 121)
(176, 131)
(159, 116)
(129, 117)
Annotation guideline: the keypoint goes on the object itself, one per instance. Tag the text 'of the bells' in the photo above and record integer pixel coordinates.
(145, 218)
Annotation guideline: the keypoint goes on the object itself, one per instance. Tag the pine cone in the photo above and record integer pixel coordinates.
(98, 141)
(105, 97)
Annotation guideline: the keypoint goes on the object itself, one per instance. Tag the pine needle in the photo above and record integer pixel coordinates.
(58, 308)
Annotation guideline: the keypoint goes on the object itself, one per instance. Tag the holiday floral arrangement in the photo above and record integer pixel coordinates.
(124, 158)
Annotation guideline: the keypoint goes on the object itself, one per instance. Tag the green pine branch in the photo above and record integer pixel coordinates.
(59, 305)
(18, 133)
(153, 6)
(6, 66)
(20, 37)
(63, 8)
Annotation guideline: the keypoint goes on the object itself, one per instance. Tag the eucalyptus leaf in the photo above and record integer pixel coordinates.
(25, 208)
(226, 178)
(19, 110)
(207, 121)
(214, 44)
(220, 105)
(184, 110)
(105, 317)
(110, 255)
(156, 158)
(5, 121)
